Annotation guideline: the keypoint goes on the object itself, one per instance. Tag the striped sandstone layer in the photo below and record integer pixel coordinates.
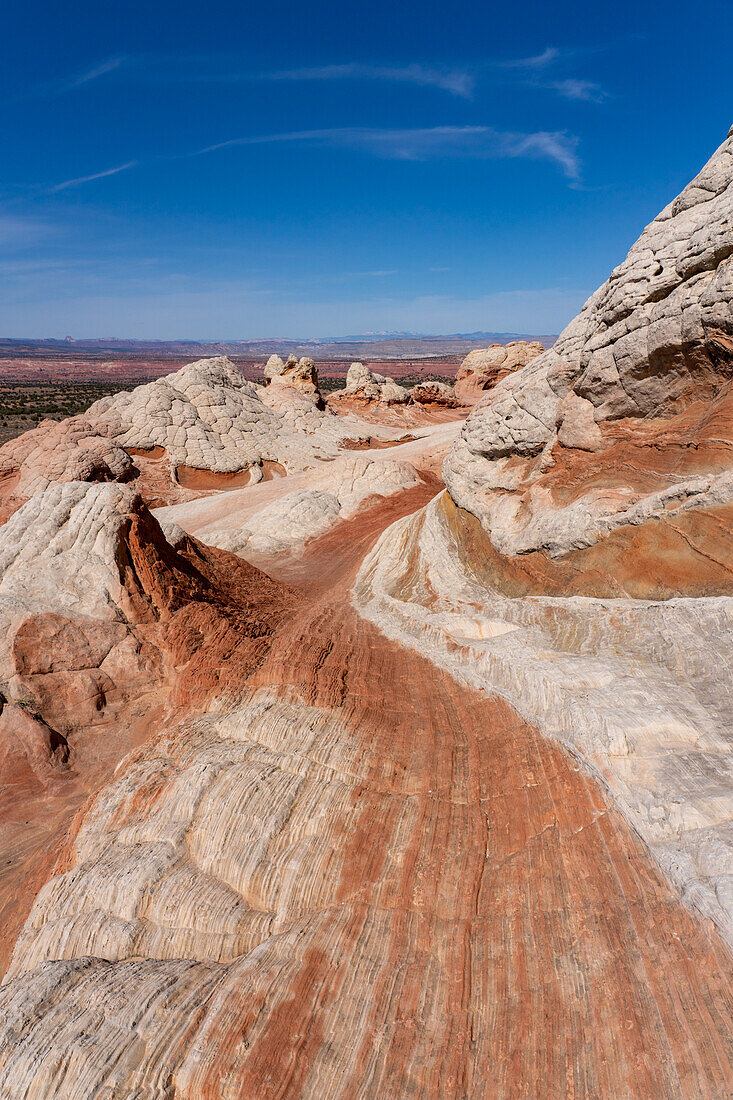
(358, 878)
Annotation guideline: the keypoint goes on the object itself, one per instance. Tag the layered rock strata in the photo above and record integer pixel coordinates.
(580, 561)
(325, 890)
(105, 624)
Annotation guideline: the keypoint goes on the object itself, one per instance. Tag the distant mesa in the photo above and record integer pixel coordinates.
(345, 348)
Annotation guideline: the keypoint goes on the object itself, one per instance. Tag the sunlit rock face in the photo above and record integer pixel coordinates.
(205, 417)
(95, 600)
(483, 368)
(300, 373)
(254, 901)
(365, 385)
(431, 392)
(629, 416)
(581, 561)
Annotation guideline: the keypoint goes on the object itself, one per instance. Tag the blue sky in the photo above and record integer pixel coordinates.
(237, 170)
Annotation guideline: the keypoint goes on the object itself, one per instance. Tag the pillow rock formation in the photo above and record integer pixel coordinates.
(381, 400)
(301, 373)
(440, 804)
(364, 385)
(484, 367)
(204, 419)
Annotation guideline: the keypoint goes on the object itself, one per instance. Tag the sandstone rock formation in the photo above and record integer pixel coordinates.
(379, 400)
(297, 372)
(92, 593)
(104, 621)
(483, 368)
(323, 889)
(205, 417)
(643, 375)
(493, 860)
(583, 490)
(431, 392)
(365, 385)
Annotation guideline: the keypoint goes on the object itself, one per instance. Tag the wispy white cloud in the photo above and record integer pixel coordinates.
(478, 142)
(458, 82)
(95, 72)
(537, 61)
(68, 84)
(79, 180)
(586, 90)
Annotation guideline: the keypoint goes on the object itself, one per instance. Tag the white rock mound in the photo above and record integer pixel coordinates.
(335, 493)
(206, 416)
(654, 340)
(366, 385)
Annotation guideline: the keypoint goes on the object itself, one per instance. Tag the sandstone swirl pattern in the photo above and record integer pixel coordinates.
(603, 471)
(340, 867)
(327, 891)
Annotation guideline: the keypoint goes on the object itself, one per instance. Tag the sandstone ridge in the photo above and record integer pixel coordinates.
(579, 561)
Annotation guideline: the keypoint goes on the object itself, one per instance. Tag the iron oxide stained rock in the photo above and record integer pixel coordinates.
(350, 872)
(431, 392)
(579, 562)
(483, 368)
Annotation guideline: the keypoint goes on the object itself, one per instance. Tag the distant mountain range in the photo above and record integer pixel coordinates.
(387, 345)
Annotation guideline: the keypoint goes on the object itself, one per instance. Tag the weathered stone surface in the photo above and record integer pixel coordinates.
(363, 384)
(206, 417)
(334, 493)
(641, 374)
(301, 373)
(483, 368)
(272, 518)
(91, 599)
(323, 889)
(435, 393)
(580, 562)
(640, 688)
